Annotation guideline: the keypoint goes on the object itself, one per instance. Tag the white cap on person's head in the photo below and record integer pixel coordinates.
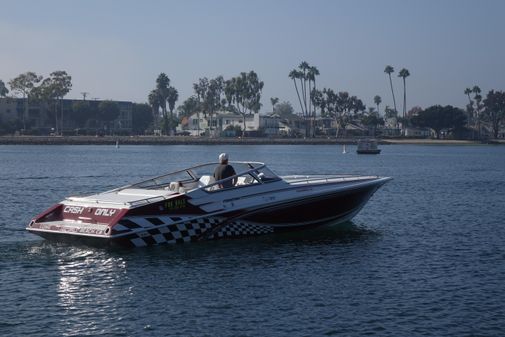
(223, 157)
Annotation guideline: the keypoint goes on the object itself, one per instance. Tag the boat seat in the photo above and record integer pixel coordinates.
(206, 180)
(174, 186)
(244, 180)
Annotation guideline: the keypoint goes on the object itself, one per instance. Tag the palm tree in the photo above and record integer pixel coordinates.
(162, 84)
(306, 74)
(404, 73)
(154, 101)
(478, 107)
(172, 97)
(294, 75)
(274, 101)
(388, 70)
(377, 100)
(469, 107)
(311, 75)
(200, 89)
(468, 91)
(304, 67)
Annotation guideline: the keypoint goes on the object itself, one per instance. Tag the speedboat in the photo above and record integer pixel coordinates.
(189, 205)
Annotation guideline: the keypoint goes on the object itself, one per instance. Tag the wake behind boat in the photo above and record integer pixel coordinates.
(189, 205)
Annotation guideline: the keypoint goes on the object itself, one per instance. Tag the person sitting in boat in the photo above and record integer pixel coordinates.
(223, 171)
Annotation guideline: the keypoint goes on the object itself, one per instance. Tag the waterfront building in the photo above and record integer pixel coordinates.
(227, 124)
(9, 109)
(40, 118)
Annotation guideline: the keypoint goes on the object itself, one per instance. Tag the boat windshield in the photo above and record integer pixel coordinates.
(202, 176)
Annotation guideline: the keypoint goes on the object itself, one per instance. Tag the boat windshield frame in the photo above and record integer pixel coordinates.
(258, 171)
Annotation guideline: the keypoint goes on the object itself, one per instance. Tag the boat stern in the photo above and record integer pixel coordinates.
(76, 223)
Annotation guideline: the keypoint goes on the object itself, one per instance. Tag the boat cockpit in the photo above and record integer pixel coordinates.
(202, 176)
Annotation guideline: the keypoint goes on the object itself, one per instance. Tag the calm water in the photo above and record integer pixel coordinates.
(425, 257)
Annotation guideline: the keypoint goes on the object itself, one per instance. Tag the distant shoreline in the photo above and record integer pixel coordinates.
(165, 140)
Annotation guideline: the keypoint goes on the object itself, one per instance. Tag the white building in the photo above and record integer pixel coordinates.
(270, 124)
(199, 124)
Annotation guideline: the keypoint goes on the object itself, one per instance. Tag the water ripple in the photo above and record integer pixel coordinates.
(425, 257)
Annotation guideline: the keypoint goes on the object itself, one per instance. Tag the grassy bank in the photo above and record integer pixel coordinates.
(151, 140)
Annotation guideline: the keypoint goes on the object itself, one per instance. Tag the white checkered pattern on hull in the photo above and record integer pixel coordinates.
(239, 228)
(160, 230)
(133, 223)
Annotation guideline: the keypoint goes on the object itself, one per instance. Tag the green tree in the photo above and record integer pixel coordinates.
(297, 75)
(51, 91)
(342, 107)
(495, 110)
(478, 109)
(162, 85)
(390, 113)
(82, 112)
(214, 96)
(469, 107)
(326, 100)
(404, 73)
(306, 76)
(189, 107)
(157, 98)
(468, 91)
(274, 101)
(210, 97)
(108, 111)
(312, 72)
(3, 89)
(439, 117)
(142, 118)
(377, 100)
(45, 94)
(154, 101)
(244, 93)
(372, 120)
(284, 110)
(24, 85)
(347, 109)
(59, 83)
(389, 70)
(172, 97)
(201, 89)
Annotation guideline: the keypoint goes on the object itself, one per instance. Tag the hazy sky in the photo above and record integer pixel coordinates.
(116, 49)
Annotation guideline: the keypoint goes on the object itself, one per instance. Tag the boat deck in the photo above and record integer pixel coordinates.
(124, 197)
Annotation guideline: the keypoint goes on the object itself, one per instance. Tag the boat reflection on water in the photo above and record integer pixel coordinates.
(346, 232)
(90, 286)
